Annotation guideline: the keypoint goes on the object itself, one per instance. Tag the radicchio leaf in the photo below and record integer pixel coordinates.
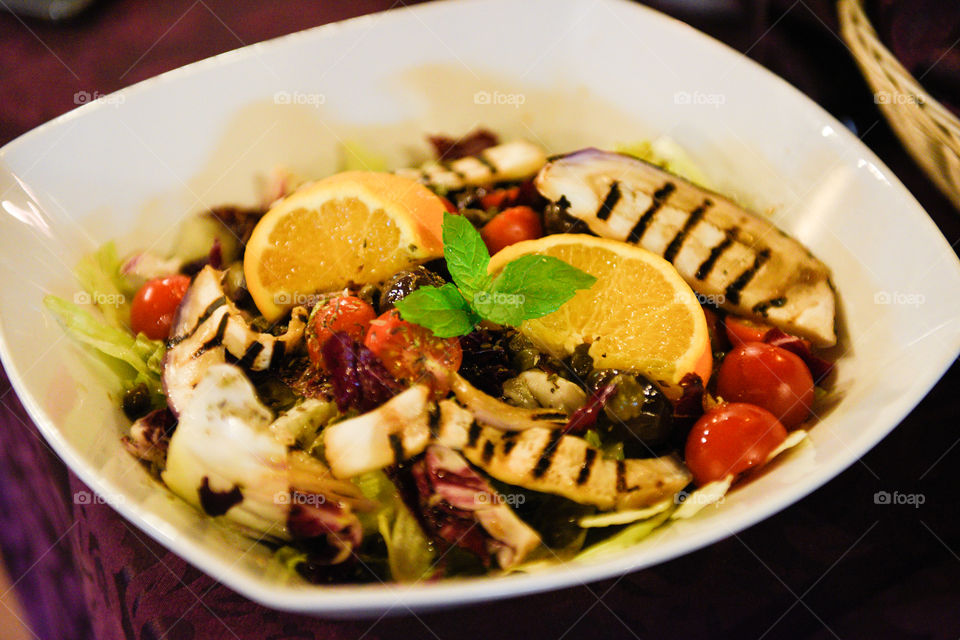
(819, 367)
(359, 379)
(586, 416)
(471, 144)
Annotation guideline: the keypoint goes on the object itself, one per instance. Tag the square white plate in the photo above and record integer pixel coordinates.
(567, 74)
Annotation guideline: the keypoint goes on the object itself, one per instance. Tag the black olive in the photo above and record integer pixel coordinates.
(404, 282)
(637, 413)
(370, 293)
(136, 402)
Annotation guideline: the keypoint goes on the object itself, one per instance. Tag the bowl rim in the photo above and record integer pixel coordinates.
(358, 600)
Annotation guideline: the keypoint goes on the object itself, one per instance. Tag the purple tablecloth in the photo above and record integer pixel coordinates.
(834, 565)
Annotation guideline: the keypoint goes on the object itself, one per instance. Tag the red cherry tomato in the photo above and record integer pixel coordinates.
(348, 314)
(731, 438)
(741, 330)
(155, 304)
(769, 377)
(411, 352)
(497, 198)
(511, 226)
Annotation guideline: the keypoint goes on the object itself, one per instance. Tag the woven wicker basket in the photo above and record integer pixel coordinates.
(926, 128)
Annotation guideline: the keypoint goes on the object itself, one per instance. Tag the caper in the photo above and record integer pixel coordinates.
(136, 401)
(580, 363)
(370, 293)
(526, 359)
(519, 342)
(478, 217)
(637, 413)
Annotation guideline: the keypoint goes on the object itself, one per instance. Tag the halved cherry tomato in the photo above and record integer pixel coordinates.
(348, 314)
(769, 377)
(731, 438)
(155, 304)
(511, 226)
(741, 330)
(497, 198)
(411, 352)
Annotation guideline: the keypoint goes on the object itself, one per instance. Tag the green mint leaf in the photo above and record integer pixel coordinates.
(466, 255)
(530, 287)
(440, 309)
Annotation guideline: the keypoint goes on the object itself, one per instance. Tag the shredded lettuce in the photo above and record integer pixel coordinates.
(133, 360)
(625, 538)
(410, 555)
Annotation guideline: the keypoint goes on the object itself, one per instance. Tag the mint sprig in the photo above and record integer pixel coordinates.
(529, 287)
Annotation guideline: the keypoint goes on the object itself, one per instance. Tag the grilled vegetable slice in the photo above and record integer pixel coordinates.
(516, 160)
(546, 460)
(733, 256)
(397, 430)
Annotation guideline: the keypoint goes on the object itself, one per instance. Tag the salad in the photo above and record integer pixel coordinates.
(494, 361)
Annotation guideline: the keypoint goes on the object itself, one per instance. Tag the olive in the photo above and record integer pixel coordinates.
(404, 282)
(637, 413)
(136, 401)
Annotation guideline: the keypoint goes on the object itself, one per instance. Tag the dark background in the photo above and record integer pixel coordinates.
(833, 565)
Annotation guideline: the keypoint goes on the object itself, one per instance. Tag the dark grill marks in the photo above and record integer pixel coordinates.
(482, 158)
(549, 415)
(659, 198)
(762, 307)
(587, 466)
(250, 355)
(217, 338)
(715, 254)
(674, 247)
(546, 456)
(621, 476)
(610, 201)
(396, 445)
(509, 441)
(733, 291)
(276, 356)
(216, 304)
(487, 454)
(474, 435)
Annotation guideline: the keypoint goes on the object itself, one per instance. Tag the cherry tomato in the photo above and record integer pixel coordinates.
(411, 352)
(155, 304)
(769, 377)
(731, 438)
(740, 330)
(348, 314)
(497, 198)
(510, 226)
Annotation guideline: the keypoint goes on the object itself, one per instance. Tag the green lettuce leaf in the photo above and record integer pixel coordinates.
(625, 538)
(104, 286)
(134, 360)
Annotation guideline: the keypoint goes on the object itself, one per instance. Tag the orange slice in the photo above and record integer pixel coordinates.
(639, 315)
(353, 227)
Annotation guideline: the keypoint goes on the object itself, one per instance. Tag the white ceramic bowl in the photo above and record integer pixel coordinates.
(568, 74)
